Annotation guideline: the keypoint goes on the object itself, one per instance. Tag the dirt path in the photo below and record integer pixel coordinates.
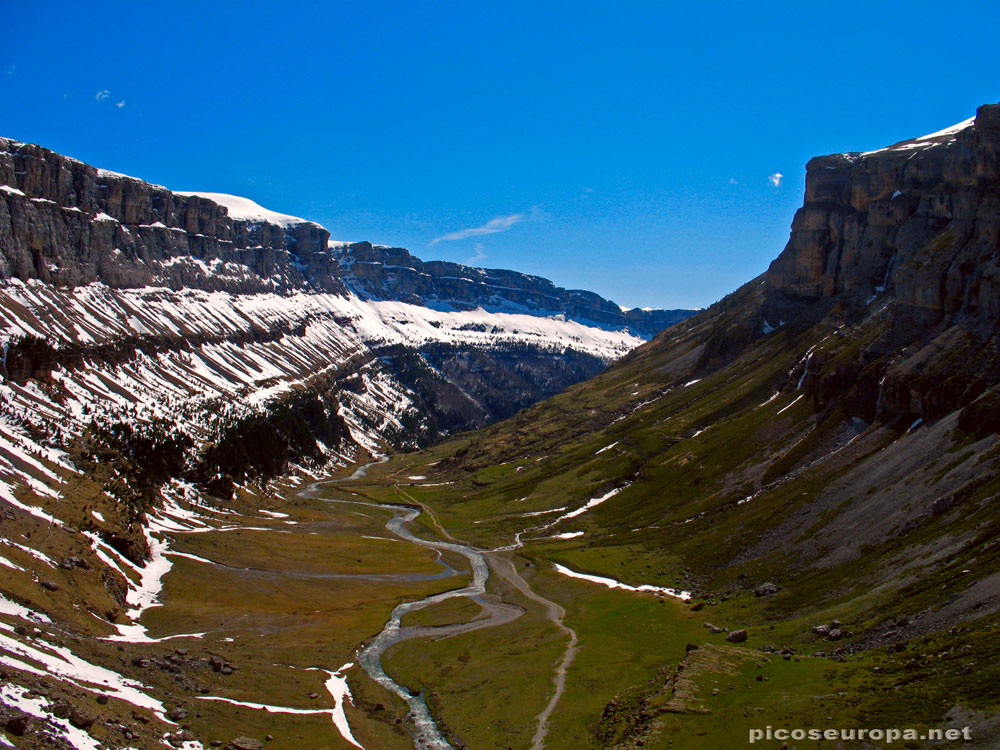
(506, 569)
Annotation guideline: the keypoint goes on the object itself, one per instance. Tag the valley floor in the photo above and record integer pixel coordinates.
(287, 597)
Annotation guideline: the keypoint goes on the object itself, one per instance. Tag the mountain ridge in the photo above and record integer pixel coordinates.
(160, 236)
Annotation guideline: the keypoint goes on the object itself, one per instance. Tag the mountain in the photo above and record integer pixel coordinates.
(181, 350)
(378, 272)
(217, 301)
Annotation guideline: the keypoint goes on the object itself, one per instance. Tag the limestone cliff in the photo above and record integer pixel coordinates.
(921, 217)
(381, 272)
(897, 250)
(67, 223)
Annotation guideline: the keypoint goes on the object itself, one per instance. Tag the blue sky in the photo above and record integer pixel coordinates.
(622, 147)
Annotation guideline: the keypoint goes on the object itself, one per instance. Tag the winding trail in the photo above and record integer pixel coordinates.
(506, 569)
(493, 613)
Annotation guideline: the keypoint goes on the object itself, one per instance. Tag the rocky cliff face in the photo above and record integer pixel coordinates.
(921, 217)
(67, 223)
(130, 307)
(899, 246)
(380, 272)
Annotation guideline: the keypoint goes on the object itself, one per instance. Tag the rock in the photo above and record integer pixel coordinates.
(60, 709)
(697, 606)
(81, 719)
(737, 636)
(942, 505)
(834, 635)
(180, 738)
(246, 743)
(766, 589)
(178, 714)
(412, 280)
(50, 585)
(102, 699)
(220, 665)
(18, 724)
(909, 226)
(313, 696)
(690, 647)
(821, 629)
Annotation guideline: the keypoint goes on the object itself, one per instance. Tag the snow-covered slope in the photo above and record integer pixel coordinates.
(246, 209)
(125, 304)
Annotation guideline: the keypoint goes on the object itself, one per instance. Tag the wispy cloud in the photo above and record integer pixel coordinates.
(10, 70)
(480, 255)
(102, 95)
(734, 181)
(775, 179)
(499, 224)
(120, 104)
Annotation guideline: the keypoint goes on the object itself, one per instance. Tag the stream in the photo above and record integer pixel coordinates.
(426, 734)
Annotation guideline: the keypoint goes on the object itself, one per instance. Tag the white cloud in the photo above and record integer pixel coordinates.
(102, 95)
(480, 255)
(499, 224)
(734, 181)
(120, 104)
(775, 179)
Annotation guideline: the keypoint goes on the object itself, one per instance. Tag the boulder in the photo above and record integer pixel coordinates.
(18, 724)
(766, 589)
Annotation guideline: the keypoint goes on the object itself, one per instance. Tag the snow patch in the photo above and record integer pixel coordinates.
(613, 584)
(246, 209)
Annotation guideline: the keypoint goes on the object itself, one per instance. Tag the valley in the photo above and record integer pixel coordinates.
(265, 490)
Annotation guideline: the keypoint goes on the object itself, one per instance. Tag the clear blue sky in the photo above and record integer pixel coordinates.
(623, 147)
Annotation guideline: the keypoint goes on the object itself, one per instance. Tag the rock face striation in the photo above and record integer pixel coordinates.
(903, 243)
(921, 216)
(203, 315)
(380, 272)
(69, 224)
